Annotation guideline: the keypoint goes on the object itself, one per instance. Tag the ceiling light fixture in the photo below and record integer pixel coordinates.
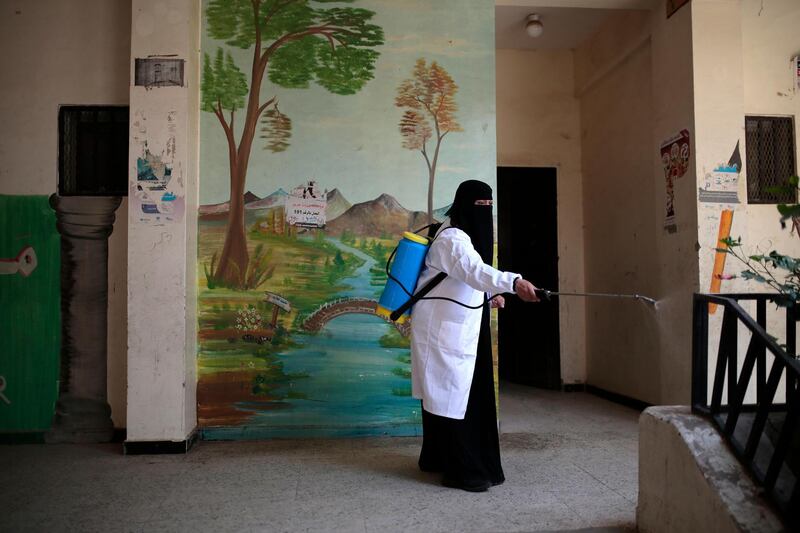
(534, 26)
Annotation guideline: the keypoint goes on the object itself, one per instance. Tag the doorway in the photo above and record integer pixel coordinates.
(528, 334)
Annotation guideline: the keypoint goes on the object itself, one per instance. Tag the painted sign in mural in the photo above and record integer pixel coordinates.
(30, 311)
(369, 113)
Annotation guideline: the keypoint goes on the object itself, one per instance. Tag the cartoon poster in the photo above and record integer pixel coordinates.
(722, 184)
(675, 154)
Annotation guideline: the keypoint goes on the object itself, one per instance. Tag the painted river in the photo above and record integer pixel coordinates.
(355, 386)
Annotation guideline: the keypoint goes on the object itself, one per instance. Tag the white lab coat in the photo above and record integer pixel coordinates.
(444, 335)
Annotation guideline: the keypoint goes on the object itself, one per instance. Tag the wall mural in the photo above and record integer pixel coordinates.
(327, 130)
(718, 200)
(30, 324)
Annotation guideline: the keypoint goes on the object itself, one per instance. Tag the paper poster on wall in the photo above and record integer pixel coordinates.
(159, 71)
(675, 154)
(721, 186)
(722, 183)
(306, 205)
(157, 191)
(796, 70)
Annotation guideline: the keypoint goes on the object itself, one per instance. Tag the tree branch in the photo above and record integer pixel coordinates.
(257, 49)
(221, 117)
(327, 30)
(278, 6)
(442, 96)
(425, 155)
(264, 106)
(774, 283)
(425, 105)
(228, 136)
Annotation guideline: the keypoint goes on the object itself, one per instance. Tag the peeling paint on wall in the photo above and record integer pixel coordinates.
(157, 193)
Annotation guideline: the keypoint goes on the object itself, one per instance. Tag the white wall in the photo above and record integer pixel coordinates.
(633, 80)
(65, 52)
(739, 74)
(538, 125)
(620, 214)
(769, 39)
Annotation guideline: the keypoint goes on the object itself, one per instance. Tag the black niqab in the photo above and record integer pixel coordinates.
(474, 220)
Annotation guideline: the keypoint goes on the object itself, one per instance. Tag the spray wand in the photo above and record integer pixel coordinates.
(547, 294)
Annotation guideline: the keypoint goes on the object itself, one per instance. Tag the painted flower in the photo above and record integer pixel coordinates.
(248, 319)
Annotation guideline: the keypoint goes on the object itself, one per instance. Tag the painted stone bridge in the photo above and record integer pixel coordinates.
(330, 310)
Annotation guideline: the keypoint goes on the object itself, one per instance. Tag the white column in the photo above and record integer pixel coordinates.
(719, 126)
(162, 221)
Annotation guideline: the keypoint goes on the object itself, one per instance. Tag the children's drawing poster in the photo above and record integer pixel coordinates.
(675, 154)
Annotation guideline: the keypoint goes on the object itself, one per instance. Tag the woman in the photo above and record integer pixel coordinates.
(451, 346)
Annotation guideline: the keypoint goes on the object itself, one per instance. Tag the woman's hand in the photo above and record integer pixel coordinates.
(497, 302)
(525, 290)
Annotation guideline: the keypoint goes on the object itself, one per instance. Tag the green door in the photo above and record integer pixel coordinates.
(30, 313)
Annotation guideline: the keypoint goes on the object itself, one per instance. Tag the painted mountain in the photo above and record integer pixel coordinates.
(337, 204)
(382, 216)
(220, 211)
(275, 199)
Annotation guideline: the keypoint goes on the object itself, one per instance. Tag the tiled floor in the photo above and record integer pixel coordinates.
(570, 462)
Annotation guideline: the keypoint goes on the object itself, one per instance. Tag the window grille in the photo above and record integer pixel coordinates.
(93, 151)
(770, 159)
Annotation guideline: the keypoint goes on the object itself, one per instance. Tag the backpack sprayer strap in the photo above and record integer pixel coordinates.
(414, 298)
(433, 230)
(397, 313)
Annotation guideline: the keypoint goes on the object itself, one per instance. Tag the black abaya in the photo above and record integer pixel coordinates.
(467, 451)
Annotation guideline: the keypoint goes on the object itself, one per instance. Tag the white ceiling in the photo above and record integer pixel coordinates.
(564, 27)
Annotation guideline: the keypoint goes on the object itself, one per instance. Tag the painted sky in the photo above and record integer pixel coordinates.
(353, 142)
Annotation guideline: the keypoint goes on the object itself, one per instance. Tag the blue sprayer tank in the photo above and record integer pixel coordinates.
(407, 265)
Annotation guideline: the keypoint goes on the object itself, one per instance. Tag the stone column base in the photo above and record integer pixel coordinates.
(80, 420)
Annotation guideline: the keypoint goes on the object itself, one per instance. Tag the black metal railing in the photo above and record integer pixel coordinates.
(762, 433)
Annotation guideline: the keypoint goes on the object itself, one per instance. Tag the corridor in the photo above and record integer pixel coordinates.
(570, 461)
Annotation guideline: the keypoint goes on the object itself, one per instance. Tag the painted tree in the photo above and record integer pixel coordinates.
(429, 100)
(293, 43)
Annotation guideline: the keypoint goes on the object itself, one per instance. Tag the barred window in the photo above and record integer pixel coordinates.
(770, 158)
(93, 150)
